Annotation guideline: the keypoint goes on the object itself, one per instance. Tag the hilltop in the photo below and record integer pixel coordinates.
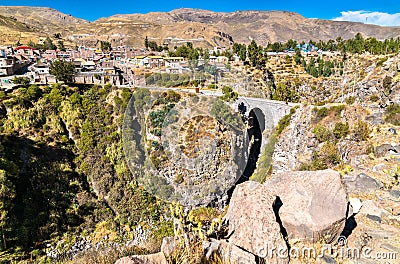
(202, 27)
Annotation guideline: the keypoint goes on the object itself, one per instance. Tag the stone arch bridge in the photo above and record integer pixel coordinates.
(262, 116)
(262, 113)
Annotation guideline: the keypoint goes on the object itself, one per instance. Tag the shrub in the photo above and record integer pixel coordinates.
(393, 114)
(285, 121)
(350, 100)
(326, 157)
(361, 131)
(320, 113)
(337, 109)
(24, 81)
(341, 130)
(374, 98)
(322, 133)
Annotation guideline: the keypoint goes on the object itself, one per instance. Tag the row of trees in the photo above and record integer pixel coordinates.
(319, 67)
(358, 44)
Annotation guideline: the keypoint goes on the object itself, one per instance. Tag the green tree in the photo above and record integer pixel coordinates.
(105, 46)
(61, 45)
(229, 94)
(24, 81)
(146, 42)
(49, 45)
(7, 194)
(63, 71)
(284, 92)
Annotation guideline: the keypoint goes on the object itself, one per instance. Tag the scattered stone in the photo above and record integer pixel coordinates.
(374, 218)
(379, 167)
(157, 258)
(361, 183)
(385, 150)
(252, 222)
(168, 246)
(371, 208)
(395, 193)
(375, 119)
(392, 130)
(314, 204)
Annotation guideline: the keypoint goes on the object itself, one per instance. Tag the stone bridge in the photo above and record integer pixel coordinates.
(263, 113)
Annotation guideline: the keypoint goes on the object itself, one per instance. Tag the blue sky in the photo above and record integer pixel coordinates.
(382, 12)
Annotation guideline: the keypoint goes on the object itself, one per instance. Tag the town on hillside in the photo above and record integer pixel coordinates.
(123, 65)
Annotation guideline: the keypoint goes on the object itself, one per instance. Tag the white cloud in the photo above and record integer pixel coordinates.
(377, 18)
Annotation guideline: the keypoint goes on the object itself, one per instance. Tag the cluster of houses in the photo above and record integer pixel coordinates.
(118, 66)
(93, 65)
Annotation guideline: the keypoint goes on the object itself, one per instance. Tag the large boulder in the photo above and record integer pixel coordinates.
(252, 222)
(313, 204)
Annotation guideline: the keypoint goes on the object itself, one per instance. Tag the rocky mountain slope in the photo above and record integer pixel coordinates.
(204, 28)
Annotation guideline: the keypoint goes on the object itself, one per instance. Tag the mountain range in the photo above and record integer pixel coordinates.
(203, 28)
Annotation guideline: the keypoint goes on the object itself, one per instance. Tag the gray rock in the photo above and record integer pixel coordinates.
(374, 218)
(370, 207)
(395, 193)
(314, 204)
(379, 167)
(375, 118)
(386, 149)
(361, 183)
(252, 222)
(168, 246)
(326, 260)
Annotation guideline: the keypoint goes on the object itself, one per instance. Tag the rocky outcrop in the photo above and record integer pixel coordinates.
(313, 204)
(290, 147)
(252, 221)
(361, 183)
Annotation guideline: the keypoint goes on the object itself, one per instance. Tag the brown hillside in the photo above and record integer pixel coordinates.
(203, 28)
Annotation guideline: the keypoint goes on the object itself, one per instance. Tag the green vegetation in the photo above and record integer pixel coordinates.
(63, 71)
(326, 157)
(341, 130)
(264, 163)
(350, 100)
(393, 114)
(63, 174)
(105, 45)
(176, 80)
(24, 81)
(358, 45)
(361, 131)
(229, 94)
(322, 133)
(320, 67)
(284, 92)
